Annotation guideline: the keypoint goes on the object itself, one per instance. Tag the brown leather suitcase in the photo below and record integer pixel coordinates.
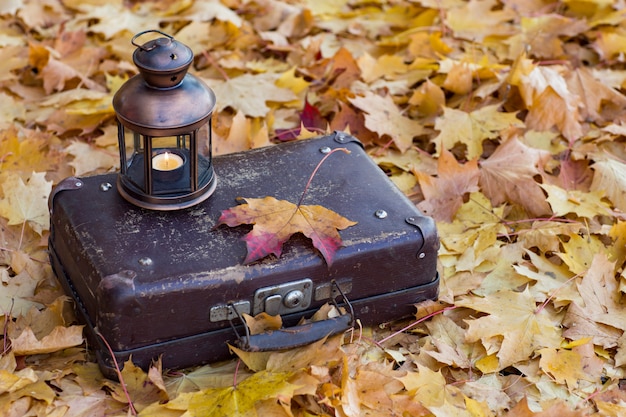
(172, 284)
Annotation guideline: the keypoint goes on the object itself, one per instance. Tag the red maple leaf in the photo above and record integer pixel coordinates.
(275, 221)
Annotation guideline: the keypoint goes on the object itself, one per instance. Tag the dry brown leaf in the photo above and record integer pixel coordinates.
(60, 338)
(444, 194)
(610, 177)
(508, 175)
(550, 75)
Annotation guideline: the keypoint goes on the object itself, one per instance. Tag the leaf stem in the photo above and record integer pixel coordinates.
(235, 382)
(308, 184)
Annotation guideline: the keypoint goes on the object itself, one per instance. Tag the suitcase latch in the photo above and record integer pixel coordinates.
(286, 298)
(229, 311)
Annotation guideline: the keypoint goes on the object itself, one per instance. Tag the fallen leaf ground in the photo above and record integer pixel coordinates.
(504, 120)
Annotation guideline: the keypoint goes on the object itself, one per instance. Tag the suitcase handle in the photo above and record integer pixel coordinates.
(295, 336)
(299, 335)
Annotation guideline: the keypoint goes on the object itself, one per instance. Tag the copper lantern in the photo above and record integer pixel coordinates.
(164, 129)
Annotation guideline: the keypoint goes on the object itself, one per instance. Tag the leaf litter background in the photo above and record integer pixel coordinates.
(502, 119)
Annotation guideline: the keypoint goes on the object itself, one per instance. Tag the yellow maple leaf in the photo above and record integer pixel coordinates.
(572, 366)
(431, 390)
(542, 35)
(579, 251)
(11, 110)
(471, 129)
(140, 386)
(564, 365)
(551, 280)
(610, 42)
(514, 327)
(449, 339)
(385, 118)
(14, 381)
(24, 149)
(240, 400)
(26, 201)
(114, 17)
(89, 158)
(249, 93)
(385, 66)
(238, 138)
(477, 19)
(429, 99)
(298, 85)
(580, 203)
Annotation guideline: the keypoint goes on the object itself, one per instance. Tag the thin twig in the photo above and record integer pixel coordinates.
(119, 375)
(306, 188)
(215, 65)
(415, 323)
(556, 290)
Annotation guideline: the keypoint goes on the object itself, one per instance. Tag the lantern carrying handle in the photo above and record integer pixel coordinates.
(171, 38)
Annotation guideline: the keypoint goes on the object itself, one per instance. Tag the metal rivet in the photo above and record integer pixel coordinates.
(325, 149)
(421, 255)
(145, 261)
(380, 214)
(105, 186)
(410, 219)
(78, 184)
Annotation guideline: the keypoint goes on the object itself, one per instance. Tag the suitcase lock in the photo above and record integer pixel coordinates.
(289, 297)
(299, 335)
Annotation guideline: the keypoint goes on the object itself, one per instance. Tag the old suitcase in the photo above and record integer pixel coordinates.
(172, 284)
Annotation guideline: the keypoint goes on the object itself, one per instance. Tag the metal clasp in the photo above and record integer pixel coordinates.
(289, 297)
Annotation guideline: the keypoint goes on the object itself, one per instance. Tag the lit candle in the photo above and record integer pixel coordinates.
(167, 161)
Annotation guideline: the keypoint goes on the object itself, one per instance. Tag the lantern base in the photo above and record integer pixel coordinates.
(165, 202)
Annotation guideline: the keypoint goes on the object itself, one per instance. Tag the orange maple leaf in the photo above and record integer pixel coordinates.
(275, 221)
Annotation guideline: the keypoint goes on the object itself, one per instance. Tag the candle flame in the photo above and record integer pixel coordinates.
(166, 161)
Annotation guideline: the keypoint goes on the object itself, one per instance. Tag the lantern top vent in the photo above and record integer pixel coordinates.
(163, 99)
(162, 62)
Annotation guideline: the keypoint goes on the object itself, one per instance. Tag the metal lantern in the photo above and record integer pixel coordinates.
(164, 129)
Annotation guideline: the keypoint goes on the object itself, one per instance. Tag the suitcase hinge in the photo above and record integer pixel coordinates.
(70, 183)
(426, 226)
(332, 290)
(229, 311)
